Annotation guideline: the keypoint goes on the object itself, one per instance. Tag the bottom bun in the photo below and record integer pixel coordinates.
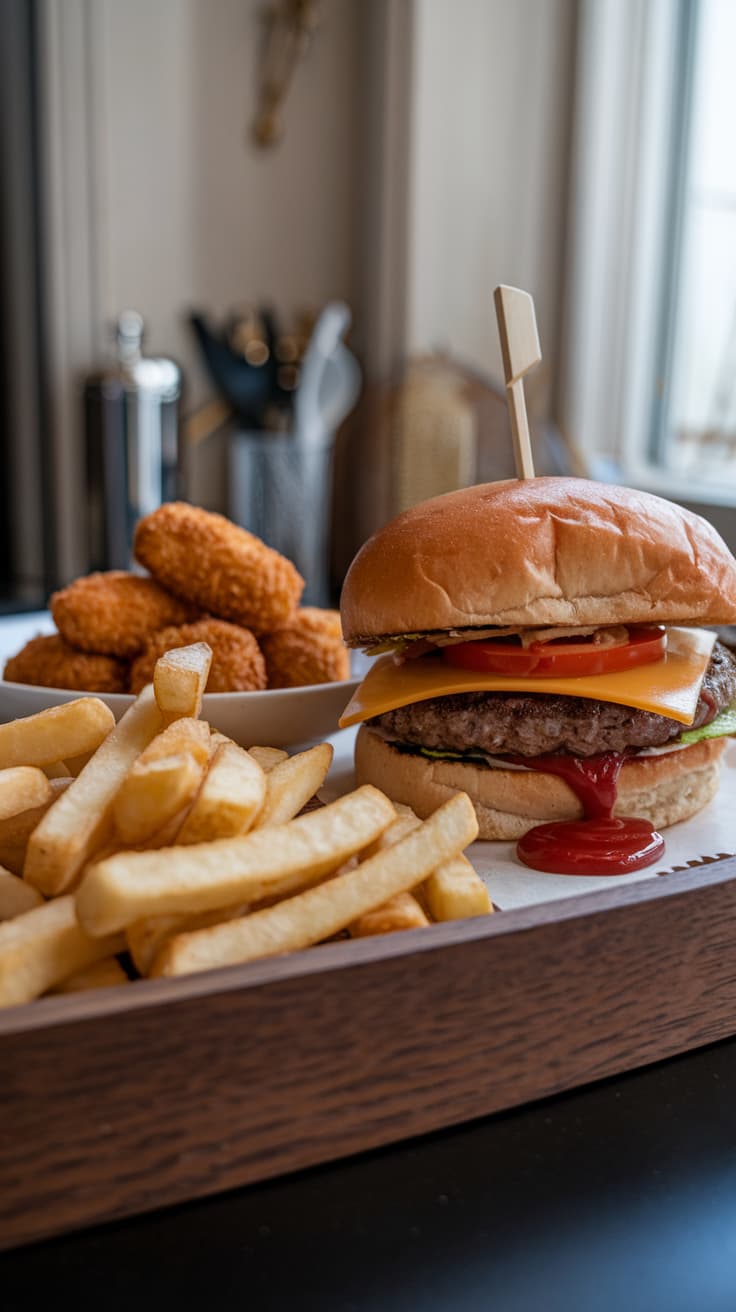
(661, 789)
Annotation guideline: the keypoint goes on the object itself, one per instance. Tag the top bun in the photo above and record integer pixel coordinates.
(538, 552)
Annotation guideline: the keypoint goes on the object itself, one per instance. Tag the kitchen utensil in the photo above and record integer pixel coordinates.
(281, 484)
(329, 381)
(251, 387)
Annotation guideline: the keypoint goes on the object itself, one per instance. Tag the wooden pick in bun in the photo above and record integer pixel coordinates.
(542, 565)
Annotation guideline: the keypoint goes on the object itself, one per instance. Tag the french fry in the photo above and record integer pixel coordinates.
(291, 784)
(146, 937)
(80, 821)
(44, 946)
(314, 915)
(152, 794)
(162, 781)
(262, 864)
(59, 770)
(16, 896)
(398, 829)
(105, 974)
(180, 678)
(21, 787)
(17, 829)
(164, 837)
(455, 890)
(400, 912)
(229, 800)
(405, 910)
(267, 757)
(76, 764)
(452, 892)
(13, 855)
(55, 734)
(185, 735)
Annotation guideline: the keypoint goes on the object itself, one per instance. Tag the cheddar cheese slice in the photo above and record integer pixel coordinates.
(670, 686)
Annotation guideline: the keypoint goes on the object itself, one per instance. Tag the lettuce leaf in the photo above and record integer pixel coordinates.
(396, 644)
(413, 749)
(724, 724)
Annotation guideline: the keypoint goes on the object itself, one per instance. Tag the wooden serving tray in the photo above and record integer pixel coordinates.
(125, 1100)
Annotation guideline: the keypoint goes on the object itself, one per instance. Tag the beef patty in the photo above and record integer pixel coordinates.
(535, 723)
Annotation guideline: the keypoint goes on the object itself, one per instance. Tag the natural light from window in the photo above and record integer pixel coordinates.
(700, 410)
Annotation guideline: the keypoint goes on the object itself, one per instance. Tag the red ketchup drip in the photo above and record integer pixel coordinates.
(600, 844)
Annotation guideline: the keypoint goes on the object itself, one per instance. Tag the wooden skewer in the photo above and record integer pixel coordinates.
(517, 329)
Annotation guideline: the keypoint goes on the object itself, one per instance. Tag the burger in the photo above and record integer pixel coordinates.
(543, 647)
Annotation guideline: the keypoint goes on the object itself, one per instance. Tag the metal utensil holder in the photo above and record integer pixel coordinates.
(281, 490)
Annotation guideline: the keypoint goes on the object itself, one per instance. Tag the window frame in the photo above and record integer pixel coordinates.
(670, 292)
(625, 230)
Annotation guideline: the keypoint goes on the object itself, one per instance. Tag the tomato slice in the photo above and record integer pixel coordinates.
(562, 660)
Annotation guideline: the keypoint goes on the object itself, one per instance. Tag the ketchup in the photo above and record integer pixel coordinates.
(600, 844)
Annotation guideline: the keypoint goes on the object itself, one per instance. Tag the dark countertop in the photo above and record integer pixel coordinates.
(618, 1196)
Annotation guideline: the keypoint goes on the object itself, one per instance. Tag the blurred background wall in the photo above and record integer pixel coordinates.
(432, 149)
(174, 204)
(186, 210)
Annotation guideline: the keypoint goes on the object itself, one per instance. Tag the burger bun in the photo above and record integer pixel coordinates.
(662, 788)
(536, 553)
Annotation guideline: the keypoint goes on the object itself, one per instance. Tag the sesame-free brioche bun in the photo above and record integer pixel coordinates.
(662, 789)
(536, 553)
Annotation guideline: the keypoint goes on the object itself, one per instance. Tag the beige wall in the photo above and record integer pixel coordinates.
(423, 163)
(156, 198)
(488, 170)
(190, 211)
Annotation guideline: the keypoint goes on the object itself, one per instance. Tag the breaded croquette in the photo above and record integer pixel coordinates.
(208, 561)
(237, 660)
(50, 662)
(309, 649)
(115, 613)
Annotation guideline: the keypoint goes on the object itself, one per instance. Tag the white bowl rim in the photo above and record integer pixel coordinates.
(130, 696)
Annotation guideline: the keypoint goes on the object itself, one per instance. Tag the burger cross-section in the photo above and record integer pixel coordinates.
(542, 647)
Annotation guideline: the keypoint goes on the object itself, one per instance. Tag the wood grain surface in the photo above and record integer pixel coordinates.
(118, 1102)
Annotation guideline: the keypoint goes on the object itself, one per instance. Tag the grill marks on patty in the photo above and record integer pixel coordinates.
(532, 724)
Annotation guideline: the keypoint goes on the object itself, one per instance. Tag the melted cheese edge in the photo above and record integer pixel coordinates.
(670, 686)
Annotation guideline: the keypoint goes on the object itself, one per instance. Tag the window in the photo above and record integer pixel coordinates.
(648, 387)
(695, 418)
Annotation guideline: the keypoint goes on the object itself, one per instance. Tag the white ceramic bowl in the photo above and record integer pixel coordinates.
(279, 717)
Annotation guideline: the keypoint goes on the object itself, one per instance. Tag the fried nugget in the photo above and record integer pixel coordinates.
(237, 660)
(228, 572)
(309, 649)
(115, 613)
(50, 662)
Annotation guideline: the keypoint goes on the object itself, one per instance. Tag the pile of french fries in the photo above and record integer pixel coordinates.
(159, 846)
